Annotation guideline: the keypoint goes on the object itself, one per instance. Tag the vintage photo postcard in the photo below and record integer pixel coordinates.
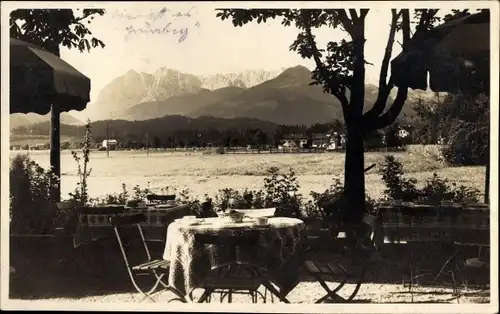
(292, 157)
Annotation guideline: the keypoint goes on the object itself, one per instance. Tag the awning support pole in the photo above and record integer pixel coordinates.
(55, 149)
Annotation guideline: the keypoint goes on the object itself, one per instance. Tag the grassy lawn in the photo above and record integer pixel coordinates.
(206, 174)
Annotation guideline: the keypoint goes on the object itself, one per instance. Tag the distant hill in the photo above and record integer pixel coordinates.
(158, 126)
(180, 105)
(20, 119)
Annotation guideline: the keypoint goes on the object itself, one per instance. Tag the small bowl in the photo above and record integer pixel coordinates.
(236, 218)
(261, 220)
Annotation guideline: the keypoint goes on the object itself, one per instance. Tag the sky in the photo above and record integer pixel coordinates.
(211, 46)
(188, 37)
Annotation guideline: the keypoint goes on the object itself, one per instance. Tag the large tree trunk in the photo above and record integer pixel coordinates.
(354, 177)
(354, 180)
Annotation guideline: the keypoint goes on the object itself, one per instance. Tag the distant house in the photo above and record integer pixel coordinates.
(294, 140)
(109, 144)
(321, 140)
(38, 147)
(336, 140)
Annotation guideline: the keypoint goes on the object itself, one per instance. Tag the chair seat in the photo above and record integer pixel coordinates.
(233, 283)
(154, 264)
(326, 269)
(476, 263)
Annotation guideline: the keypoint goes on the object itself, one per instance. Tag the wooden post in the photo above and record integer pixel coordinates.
(107, 139)
(55, 149)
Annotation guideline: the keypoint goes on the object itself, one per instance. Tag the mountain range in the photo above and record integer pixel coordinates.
(21, 119)
(282, 96)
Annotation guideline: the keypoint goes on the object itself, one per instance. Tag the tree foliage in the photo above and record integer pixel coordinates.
(460, 122)
(51, 28)
(335, 63)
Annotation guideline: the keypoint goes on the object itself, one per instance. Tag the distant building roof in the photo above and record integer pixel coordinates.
(319, 135)
(294, 137)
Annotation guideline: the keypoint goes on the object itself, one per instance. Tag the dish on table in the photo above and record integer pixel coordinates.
(165, 205)
(232, 215)
(258, 212)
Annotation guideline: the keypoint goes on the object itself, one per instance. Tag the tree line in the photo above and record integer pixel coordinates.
(154, 134)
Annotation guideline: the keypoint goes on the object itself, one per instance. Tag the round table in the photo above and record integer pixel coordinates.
(278, 250)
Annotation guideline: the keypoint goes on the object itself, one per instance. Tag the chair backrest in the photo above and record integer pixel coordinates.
(206, 209)
(118, 222)
(160, 198)
(103, 210)
(362, 240)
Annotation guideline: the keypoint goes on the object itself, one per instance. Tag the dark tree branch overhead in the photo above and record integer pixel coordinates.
(384, 87)
(354, 14)
(345, 21)
(50, 28)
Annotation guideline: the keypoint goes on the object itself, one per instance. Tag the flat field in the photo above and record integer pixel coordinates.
(206, 174)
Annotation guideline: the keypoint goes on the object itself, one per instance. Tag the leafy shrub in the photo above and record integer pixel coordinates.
(281, 191)
(468, 129)
(330, 205)
(31, 209)
(231, 198)
(80, 194)
(117, 199)
(397, 186)
(462, 121)
(435, 190)
(196, 205)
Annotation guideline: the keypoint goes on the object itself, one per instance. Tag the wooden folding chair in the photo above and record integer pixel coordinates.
(350, 267)
(155, 268)
(233, 277)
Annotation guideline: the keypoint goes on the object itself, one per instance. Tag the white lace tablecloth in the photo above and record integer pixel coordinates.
(278, 251)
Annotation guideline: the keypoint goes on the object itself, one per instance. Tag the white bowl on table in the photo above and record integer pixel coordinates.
(232, 215)
(256, 213)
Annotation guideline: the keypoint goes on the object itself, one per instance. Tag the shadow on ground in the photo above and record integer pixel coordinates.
(40, 275)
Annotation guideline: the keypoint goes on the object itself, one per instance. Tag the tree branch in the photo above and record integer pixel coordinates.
(354, 14)
(384, 88)
(390, 116)
(406, 28)
(346, 22)
(332, 84)
(364, 13)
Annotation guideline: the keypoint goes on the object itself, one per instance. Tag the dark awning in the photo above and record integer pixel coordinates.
(455, 54)
(39, 78)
